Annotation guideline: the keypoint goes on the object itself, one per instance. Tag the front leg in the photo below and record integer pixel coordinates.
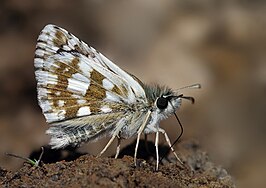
(157, 149)
(154, 128)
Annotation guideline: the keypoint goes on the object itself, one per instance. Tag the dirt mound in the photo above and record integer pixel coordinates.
(87, 170)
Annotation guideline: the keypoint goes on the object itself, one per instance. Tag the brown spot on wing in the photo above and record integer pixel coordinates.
(64, 71)
(60, 39)
(117, 90)
(78, 49)
(96, 91)
(97, 77)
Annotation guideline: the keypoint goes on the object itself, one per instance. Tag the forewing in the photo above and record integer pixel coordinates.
(74, 80)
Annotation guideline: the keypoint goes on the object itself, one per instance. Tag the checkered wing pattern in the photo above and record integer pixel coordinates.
(80, 91)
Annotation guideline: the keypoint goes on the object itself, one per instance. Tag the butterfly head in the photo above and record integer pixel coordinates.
(164, 100)
(167, 104)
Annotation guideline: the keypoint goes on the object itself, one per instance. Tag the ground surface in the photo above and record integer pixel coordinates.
(86, 170)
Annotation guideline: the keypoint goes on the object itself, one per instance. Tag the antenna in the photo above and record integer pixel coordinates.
(193, 86)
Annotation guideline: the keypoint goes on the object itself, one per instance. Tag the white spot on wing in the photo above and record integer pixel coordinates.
(65, 47)
(112, 97)
(43, 37)
(42, 92)
(81, 101)
(41, 45)
(107, 84)
(72, 42)
(106, 109)
(61, 103)
(83, 111)
(45, 105)
(38, 62)
(55, 116)
(57, 93)
(85, 67)
(39, 52)
(45, 77)
(80, 77)
(77, 86)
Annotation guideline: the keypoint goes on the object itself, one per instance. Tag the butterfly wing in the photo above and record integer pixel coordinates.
(80, 91)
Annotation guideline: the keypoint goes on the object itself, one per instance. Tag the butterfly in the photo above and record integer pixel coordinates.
(84, 96)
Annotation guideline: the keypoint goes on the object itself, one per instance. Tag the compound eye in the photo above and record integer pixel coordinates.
(162, 103)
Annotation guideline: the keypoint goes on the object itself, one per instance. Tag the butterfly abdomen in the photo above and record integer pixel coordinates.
(76, 131)
(63, 136)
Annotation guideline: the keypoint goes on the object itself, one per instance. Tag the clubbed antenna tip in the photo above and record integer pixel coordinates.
(193, 86)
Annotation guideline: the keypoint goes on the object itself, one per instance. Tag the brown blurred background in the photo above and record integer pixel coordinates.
(220, 44)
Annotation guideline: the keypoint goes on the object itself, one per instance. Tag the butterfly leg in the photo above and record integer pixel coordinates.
(169, 143)
(118, 147)
(157, 149)
(139, 133)
(107, 145)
